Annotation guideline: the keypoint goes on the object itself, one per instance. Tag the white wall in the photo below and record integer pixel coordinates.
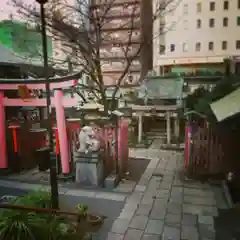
(182, 25)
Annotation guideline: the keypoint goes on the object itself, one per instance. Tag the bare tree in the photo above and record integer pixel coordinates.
(83, 29)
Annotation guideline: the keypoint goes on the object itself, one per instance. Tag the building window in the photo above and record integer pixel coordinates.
(199, 23)
(238, 21)
(238, 44)
(162, 49)
(225, 5)
(185, 24)
(199, 7)
(198, 47)
(185, 9)
(210, 46)
(161, 29)
(172, 47)
(238, 4)
(212, 6)
(225, 22)
(224, 45)
(185, 47)
(211, 22)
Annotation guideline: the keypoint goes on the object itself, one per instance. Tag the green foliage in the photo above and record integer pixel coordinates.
(201, 99)
(24, 225)
(82, 209)
(192, 99)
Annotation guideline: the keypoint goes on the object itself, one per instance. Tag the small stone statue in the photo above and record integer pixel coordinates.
(88, 140)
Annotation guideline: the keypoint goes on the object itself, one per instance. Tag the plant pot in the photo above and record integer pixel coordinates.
(94, 220)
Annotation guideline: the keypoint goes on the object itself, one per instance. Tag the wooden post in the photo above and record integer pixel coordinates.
(168, 119)
(3, 146)
(140, 128)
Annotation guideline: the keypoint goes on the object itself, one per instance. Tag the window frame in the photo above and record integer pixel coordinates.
(198, 47)
(199, 23)
(224, 45)
(238, 44)
(199, 7)
(211, 46)
(223, 23)
(212, 6)
(172, 47)
(226, 7)
(212, 20)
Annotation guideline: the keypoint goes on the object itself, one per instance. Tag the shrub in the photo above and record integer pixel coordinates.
(24, 225)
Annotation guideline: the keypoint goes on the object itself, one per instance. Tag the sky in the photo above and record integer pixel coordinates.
(5, 9)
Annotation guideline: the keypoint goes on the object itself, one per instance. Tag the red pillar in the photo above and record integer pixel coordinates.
(62, 132)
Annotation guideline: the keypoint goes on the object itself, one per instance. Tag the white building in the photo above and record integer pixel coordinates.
(197, 35)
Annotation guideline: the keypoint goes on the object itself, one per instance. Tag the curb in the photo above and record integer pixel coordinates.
(66, 192)
(227, 194)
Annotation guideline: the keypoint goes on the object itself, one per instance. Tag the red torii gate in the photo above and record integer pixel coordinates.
(58, 101)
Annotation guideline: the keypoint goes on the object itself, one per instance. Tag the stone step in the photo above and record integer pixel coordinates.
(156, 134)
(156, 137)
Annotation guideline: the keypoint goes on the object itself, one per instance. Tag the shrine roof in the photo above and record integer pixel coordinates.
(227, 106)
(9, 57)
(158, 87)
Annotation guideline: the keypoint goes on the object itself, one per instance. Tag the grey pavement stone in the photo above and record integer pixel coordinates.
(125, 187)
(133, 234)
(163, 193)
(127, 214)
(172, 219)
(135, 198)
(176, 199)
(189, 219)
(198, 192)
(131, 206)
(189, 233)
(120, 226)
(200, 200)
(208, 220)
(176, 190)
(139, 222)
(158, 213)
(147, 200)
(174, 207)
(154, 227)
(114, 236)
(170, 233)
(200, 210)
(144, 209)
(160, 202)
(206, 231)
(177, 183)
(140, 188)
(151, 237)
(196, 185)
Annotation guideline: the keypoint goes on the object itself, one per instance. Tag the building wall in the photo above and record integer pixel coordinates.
(189, 38)
(119, 25)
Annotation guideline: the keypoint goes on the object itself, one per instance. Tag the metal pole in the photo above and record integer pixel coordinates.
(52, 160)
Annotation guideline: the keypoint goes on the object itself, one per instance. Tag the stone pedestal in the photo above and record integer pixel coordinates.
(89, 168)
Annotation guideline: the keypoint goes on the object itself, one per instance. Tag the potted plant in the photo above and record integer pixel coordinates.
(82, 210)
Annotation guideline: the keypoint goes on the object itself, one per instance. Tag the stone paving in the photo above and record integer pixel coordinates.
(165, 206)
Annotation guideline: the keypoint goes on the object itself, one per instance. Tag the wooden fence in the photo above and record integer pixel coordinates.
(210, 150)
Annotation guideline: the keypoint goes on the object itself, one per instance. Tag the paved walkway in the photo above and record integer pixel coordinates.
(165, 206)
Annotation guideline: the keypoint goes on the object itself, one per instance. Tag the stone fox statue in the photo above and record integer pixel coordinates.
(88, 140)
